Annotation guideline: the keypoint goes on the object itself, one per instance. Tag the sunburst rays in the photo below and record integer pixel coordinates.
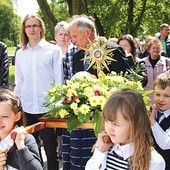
(98, 55)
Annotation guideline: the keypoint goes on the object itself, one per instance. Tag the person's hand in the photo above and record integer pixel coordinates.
(152, 114)
(103, 142)
(3, 158)
(19, 134)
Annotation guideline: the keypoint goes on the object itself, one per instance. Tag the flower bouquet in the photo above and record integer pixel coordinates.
(83, 97)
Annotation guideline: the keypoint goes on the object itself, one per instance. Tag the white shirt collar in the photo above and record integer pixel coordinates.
(7, 142)
(166, 113)
(41, 44)
(124, 151)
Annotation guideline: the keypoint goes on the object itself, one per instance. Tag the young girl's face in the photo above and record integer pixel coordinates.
(119, 131)
(7, 119)
(162, 98)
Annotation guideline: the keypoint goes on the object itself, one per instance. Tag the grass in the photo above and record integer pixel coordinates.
(11, 77)
(11, 51)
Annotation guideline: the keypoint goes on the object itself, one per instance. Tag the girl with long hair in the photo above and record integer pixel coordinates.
(127, 127)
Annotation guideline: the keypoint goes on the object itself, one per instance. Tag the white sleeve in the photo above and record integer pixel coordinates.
(97, 161)
(19, 79)
(58, 66)
(162, 137)
(157, 162)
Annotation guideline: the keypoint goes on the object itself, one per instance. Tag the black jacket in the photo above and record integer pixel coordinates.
(27, 158)
(4, 66)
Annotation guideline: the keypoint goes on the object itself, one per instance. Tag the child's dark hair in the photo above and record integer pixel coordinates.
(7, 95)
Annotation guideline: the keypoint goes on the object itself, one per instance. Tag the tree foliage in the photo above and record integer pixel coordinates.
(51, 14)
(117, 17)
(10, 23)
(113, 18)
(136, 17)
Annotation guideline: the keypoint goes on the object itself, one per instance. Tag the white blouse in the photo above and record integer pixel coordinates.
(98, 160)
(162, 137)
(7, 143)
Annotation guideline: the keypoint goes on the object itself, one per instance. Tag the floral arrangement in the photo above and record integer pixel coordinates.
(83, 97)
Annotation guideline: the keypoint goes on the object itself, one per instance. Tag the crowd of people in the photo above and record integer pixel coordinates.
(136, 140)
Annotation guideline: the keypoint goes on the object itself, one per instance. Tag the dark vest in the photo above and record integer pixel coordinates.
(165, 124)
(114, 160)
(78, 62)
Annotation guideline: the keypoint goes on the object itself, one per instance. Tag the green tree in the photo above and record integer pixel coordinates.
(117, 17)
(10, 23)
(51, 14)
(77, 7)
(136, 17)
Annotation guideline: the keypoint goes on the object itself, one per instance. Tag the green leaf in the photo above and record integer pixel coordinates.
(146, 93)
(72, 122)
(97, 122)
(83, 118)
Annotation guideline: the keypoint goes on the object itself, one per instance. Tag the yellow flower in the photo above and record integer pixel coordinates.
(102, 101)
(70, 93)
(84, 109)
(63, 113)
(73, 106)
(88, 91)
(75, 85)
(94, 101)
(97, 87)
(119, 79)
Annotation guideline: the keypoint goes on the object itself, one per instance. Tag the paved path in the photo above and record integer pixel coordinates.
(45, 160)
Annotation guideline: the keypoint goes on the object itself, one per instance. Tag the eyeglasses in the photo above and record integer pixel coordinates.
(32, 26)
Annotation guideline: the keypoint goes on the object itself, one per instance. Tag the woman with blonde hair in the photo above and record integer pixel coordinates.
(62, 36)
(155, 63)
